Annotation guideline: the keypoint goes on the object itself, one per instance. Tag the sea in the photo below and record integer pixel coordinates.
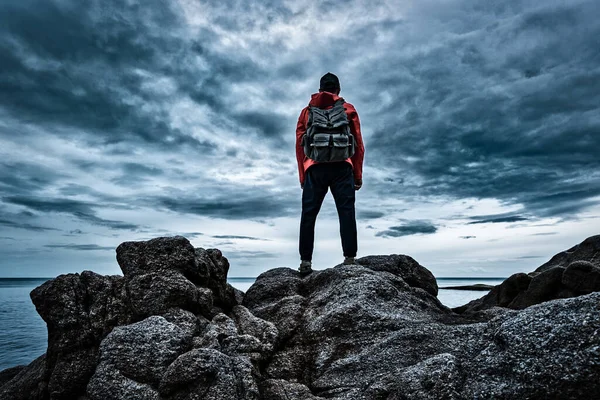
(23, 335)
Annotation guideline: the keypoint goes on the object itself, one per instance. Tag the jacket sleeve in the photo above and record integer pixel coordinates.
(300, 131)
(359, 153)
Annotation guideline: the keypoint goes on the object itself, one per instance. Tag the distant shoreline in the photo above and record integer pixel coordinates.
(477, 286)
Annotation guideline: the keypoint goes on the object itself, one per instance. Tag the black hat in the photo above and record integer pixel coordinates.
(329, 82)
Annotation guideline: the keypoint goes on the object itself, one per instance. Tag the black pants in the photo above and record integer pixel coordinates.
(339, 177)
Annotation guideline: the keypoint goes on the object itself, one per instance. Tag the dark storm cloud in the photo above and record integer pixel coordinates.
(80, 247)
(510, 113)
(80, 209)
(138, 169)
(497, 219)
(238, 237)
(368, 214)
(24, 177)
(26, 226)
(58, 62)
(228, 207)
(412, 228)
(458, 99)
(192, 235)
(241, 254)
(96, 67)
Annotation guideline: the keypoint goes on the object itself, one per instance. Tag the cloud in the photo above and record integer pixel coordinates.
(468, 237)
(244, 254)
(503, 117)
(368, 214)
(80, 247)
(237, 237)
(26, 226)
(412, 228)
(152, 112)
(227, 207)
(490, 219)
(24, 177)
(80, 209)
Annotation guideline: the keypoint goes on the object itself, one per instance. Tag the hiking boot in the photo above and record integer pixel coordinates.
(305, 267)
(349, 261)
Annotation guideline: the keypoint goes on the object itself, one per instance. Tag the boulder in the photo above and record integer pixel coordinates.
(588, 250)
(582, 277)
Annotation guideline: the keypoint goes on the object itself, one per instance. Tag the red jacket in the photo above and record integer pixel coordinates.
(326, 100)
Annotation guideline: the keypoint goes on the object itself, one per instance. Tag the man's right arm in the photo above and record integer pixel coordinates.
(300, 131)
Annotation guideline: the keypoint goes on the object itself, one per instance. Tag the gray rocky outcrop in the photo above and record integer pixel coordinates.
(171, 328)
(570, 273)
(164, 277)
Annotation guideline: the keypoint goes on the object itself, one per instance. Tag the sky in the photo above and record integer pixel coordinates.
(127, 120)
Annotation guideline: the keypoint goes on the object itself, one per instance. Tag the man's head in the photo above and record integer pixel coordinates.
(330, 83)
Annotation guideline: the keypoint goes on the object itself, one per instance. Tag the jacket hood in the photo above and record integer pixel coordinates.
(324, 99)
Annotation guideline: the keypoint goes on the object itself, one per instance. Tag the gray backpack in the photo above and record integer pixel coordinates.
(328, 136)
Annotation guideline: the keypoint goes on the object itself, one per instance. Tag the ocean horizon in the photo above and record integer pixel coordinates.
(23, 334)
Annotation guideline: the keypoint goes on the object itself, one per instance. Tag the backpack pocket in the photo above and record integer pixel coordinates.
(320, 148)
(342, 147)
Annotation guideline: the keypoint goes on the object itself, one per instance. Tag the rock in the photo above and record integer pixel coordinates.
(173, 329)
(537, 351)
(279, 389)
(143, 351)
(9, 373)
(163, 276)
(210, 375)
(437, 377)
(406, 268)
(28, 384)
(160, 255)
(588, 250)
(582, 277)
(110, 384)
(155, 293)
(570, 273)
(544, 286)
(190, 323)
(79, 310)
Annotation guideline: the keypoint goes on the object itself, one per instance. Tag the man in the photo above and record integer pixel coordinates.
(343, 177)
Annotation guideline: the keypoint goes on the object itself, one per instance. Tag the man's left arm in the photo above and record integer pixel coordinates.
(359, 153)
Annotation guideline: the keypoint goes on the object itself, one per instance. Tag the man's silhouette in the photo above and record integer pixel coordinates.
(343, 177)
